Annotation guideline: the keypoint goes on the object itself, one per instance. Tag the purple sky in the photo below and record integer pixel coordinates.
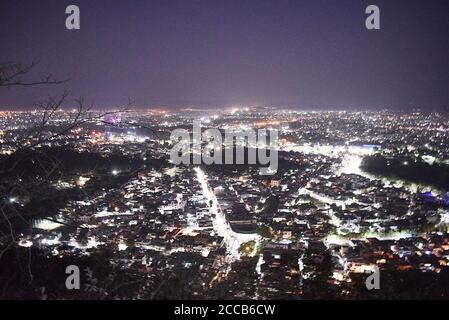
(305, 54)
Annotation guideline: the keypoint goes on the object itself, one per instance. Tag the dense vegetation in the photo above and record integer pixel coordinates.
(416, 171)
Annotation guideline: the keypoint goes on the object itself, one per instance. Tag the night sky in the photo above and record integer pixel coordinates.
(310, 54)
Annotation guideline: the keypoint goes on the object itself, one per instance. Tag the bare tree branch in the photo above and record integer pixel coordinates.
(44, 131)
(12, 74)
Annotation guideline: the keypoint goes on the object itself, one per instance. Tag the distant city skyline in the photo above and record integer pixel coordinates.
(209, 54)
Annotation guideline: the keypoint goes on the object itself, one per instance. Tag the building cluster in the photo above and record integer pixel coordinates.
(316, 228)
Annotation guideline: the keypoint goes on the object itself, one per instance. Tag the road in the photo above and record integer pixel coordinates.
(232, 239)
